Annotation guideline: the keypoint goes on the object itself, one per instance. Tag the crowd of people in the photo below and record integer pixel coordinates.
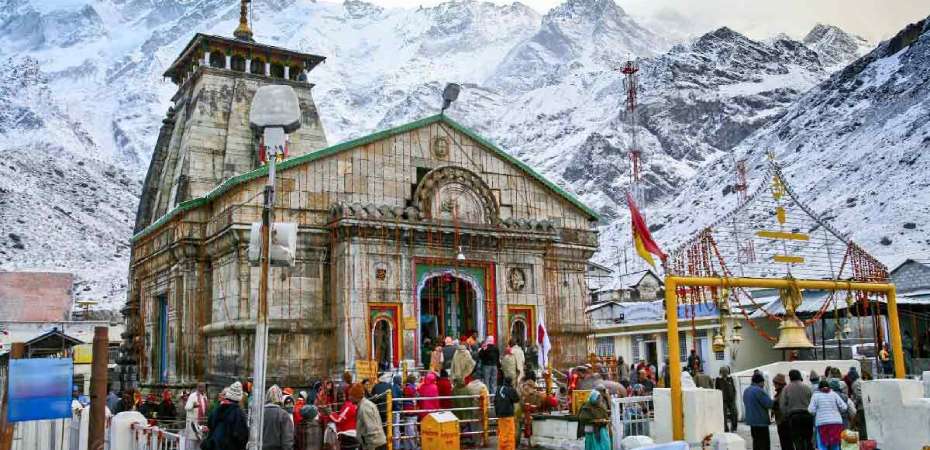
(807, 415)
(638, 378)
(349, 413)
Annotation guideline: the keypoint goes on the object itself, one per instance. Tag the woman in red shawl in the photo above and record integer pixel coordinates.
(166, 410)
(429, 389)
(444, 386)
(324, 399)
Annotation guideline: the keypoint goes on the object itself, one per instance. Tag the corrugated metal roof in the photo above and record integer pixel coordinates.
(814, 300)
(627, 280)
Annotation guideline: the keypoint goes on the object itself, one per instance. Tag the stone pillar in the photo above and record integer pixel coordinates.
(228, 62)
(287, 73)
(267, 69)
(248, 65)
(206, 59)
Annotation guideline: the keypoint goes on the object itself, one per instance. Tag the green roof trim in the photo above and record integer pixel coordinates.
(358, 142)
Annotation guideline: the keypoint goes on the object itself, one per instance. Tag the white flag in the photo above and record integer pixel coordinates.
(542, 338)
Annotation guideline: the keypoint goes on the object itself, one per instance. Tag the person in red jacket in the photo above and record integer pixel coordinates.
(430, 391)
(444, 386)
(345, 418)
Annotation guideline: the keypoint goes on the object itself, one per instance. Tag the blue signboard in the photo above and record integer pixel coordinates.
(697, 310)
(39, 389)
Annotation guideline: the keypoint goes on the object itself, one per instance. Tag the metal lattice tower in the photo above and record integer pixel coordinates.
(746, 250)
(741, 184)
(629, 71)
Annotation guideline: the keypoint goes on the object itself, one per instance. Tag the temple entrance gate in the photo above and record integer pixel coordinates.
(449, 306)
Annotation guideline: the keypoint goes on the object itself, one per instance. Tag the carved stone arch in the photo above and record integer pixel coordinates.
(450, 188)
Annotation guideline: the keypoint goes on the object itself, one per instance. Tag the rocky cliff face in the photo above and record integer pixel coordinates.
(61, 208)
(834, 46)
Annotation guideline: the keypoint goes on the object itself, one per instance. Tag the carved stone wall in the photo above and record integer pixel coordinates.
(368, 215)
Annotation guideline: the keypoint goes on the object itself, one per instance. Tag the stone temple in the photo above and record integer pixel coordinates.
(421, 231)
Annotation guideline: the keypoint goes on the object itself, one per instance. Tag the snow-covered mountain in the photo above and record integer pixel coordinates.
(575, 36)
(697, 100)
(856, 149)
(543, 86)
(61, 207)
(835, 46)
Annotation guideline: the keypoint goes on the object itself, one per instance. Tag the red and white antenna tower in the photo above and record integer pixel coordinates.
(629, 71)
(741, 184)
(746, 251)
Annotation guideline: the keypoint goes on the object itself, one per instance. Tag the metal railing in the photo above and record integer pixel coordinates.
(403, 427)
(154, 438)
(636, 414)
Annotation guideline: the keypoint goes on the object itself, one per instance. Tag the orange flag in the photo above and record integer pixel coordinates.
(642, 238)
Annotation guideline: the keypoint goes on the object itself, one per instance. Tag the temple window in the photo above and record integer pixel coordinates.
(258, 67)
(238, 63)
(277, 71)
(217, 60)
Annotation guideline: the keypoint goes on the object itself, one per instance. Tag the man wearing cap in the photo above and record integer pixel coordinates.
(756, 404)
(227, 427)
(781, 419)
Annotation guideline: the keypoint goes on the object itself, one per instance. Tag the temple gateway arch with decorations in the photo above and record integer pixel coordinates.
(421, 231)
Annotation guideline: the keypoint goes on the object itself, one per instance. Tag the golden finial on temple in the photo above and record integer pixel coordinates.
(243, 32)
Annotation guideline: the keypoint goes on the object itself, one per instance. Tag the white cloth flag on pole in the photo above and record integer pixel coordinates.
(542, 338)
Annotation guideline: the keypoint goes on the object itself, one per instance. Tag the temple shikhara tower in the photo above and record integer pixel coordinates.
(417, 232)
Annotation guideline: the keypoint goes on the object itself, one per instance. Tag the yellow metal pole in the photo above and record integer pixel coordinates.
(548, 377)
(897, 351)
(484, 417)
(390, 420)
(781, 283)
(671, 311)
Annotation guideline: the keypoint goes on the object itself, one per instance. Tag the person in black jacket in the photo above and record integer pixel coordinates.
(166, 410)
(379, 394)
(505, 398)
(126, 403)
(724, 384)
(489, 356)
(149, 408)
(227, 427)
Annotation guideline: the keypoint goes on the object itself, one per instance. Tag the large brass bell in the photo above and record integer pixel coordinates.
(791, 334)
(719, 344)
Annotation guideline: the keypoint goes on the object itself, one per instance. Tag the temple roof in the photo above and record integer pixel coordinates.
(213, 42)
(344, 146)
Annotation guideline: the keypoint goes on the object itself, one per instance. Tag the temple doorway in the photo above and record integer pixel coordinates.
(448, 307)
(518, 333)
(382, 344)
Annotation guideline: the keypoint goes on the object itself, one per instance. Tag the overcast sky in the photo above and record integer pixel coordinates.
(871, 19)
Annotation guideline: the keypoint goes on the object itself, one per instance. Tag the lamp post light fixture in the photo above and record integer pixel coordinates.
(274, 113)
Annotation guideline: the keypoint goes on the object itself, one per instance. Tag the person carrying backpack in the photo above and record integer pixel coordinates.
(227, 427)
